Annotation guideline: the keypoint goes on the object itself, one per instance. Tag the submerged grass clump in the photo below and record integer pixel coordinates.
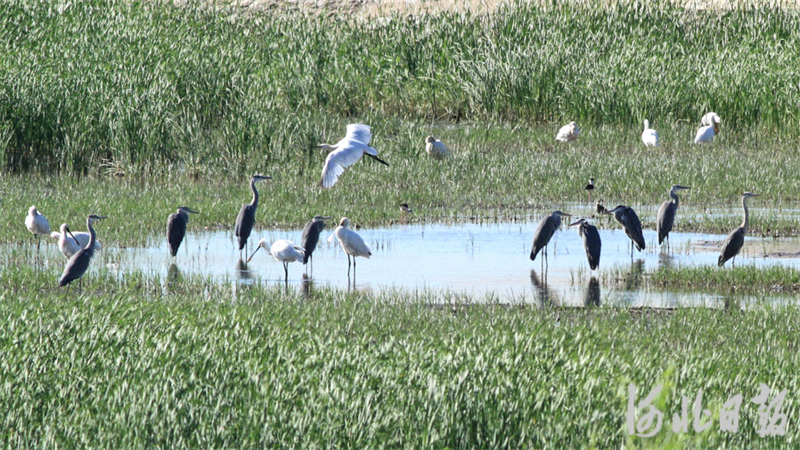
(216, 87)
(187, 363)
(741, 279)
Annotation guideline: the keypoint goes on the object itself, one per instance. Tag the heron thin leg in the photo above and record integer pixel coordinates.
(348, 265)
(38, 242)
(286, 270)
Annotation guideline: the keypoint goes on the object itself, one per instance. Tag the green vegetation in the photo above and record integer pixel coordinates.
(746, 279)
(187, 363)
(134, 85)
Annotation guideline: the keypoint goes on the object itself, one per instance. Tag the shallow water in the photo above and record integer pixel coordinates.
(484, 261)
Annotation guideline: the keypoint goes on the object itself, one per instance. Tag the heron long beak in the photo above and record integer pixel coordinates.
(192, 211)
(254, 252)
(378, 159)
(577, 222)
(70, 233)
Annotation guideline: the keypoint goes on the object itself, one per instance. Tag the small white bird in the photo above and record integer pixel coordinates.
(282, 250)
(710, 128)
(649, 135)
(568, 133)
(436, 148)
(70, 242)
(37, 224)
(351, 242)
(347, 152)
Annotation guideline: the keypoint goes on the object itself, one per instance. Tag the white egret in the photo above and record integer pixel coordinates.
(37, 224)
(710, 128)
(568, 133)
(347, 152)
(79, 262)
(436, 148)
(649, 135)
(282, 250)
(351, 242)
(70, 242)
(733, 244)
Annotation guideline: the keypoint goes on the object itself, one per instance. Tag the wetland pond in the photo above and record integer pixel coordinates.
(454, 262)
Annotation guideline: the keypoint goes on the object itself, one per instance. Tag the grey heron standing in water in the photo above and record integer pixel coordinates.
(310, 238)
(176, 228)
(79, 262)
(247, 215)
(591, 241)
(733, 244)
(627, 217)
(666, 213)
(546, 229)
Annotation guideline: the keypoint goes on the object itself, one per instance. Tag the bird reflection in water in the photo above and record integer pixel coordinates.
(307, 285)
(592, 297)
(174, 276)
(542, 291)
(633, 279)
(243, 273)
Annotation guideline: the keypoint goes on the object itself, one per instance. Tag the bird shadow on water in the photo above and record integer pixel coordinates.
(547, 298)
(243, 273)
(592, 296)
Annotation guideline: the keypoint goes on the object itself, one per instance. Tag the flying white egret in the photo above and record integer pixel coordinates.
(79, 262)
(176, 228)
(347, 152)
(70, 242)
(568, 133)
(649, 135)
(733, 244)
(37, 224)
(710, 128)
(436, 148)
(282, 250)
(351, 242)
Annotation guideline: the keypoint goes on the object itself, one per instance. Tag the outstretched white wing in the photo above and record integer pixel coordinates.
(338, 160)
(357, 132)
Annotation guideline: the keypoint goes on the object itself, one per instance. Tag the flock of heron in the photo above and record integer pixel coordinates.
(79, 247)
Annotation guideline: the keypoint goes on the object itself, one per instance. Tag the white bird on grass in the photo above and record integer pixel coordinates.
(649, 135)
(37, 224)
(568, 133)
(282, 250)
(351, 242)
(710, 128)
(347, 152)
(71, 242)
(436, 148)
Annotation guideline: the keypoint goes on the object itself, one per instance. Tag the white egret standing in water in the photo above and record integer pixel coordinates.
(351, 243)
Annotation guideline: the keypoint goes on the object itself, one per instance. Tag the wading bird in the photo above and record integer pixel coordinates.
(247, 215)
(79, 262)
(351, 243)
(591, 241)
(649, 135)
(310, 237)
(436, 148)
(37, 224)
(599, 208)
(733, 244)
(70, 243)
(627, 217)
(666, 213)
(406, 209)
(568, 133)
(710, 128)
(546, 229)
(282, 250)
(176, 228)
(589, 188)
(347, 152)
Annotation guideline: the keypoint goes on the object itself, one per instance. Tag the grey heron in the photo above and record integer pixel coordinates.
(436, 148)
(666, 213)
(310, 237)
(282, 250)
(709, 129)
(568, 132)
(546, 229)
(247, 215)
(351, 243)
(347, 152)
(70, 242)
(733, 244)
(649, 135)
(37, 224)
(176, 228)
(591, 241)
(79, 262)
(627, 217)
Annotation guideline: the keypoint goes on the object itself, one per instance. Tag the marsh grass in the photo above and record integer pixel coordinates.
(130, 364)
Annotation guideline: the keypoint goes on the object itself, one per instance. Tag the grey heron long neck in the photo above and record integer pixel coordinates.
(254, 202)
(674, 196)
(746, 221)
(92, 235)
